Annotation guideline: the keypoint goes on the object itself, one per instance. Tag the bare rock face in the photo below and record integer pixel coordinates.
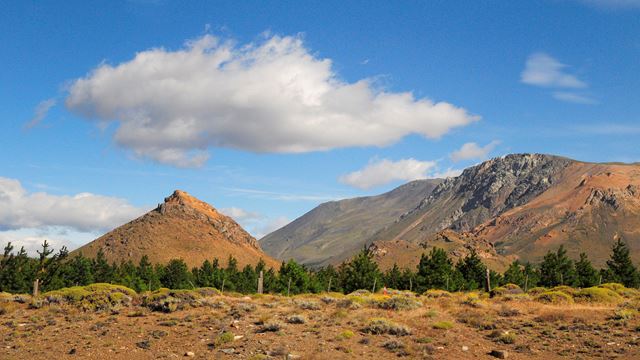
(493, 187)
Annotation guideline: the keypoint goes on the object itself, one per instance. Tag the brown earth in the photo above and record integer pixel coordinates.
(456, 327)
(181, 227)
(521, 206)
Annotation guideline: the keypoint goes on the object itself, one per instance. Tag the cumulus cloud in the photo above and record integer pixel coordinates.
(385, 171)
(472, 150)
(41, 111)
(81, 212)
(255, 223)
(270, 96)
(240, 214)
(543, 70)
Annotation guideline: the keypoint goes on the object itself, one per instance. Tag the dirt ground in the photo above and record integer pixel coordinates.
(323, 327)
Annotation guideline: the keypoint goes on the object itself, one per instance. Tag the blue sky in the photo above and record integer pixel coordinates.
(266, 109)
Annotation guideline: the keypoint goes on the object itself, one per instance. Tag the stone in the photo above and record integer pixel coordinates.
(500, 354)
(190, 354)
(465, 348)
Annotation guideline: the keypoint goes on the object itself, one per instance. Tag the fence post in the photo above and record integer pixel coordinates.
(261, 282)
(329, 287)
(374, 285)
(289, 287)
(222, 290)
(488, 282)
(526, 283)
(36, 287)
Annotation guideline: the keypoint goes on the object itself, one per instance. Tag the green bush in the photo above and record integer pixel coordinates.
(537, 290)
(565, 289)
(442, 325)
(597, 295)
(378, 326)
(554, 297)
(397, 302)
(508, 289)
(434, 293)
(97, 296)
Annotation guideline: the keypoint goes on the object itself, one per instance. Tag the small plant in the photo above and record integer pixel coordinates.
(507, 338)
(308, 305)
(393, 345)
(424, 340)
(395, 303)
(597, 295)
(296, 319)
(431, 313)
(442, 325)
(378, 326)
(224, 338)
(345, 335)
(434, 293)
(554, 297)
(625, 314)
(269, 327)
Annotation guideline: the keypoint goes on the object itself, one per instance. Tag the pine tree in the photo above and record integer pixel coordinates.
(148, 276)
(435, 271)
(176, 275)
(473, 270)
(295, 274)
(361, 272)
(621, 268)
(586, 275)
(514, 274)
(393, 278)
(102, 271)
(557, 269)
(80, 271)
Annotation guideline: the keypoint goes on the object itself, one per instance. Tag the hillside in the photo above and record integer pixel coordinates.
(181, 227)
(335, 230)
(515, 206)
(527, 204)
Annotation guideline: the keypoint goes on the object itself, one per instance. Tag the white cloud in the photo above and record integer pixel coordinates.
(450, 172)
(32, 239)
(41, 111)
(543, 70)
(271, 225)
(238, 214)
(270, 96)
(472, 150)
(82, 212)
(381, 172)
(272, 195)
(574, 98)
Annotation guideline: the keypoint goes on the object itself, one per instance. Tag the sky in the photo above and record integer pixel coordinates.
(267, 109)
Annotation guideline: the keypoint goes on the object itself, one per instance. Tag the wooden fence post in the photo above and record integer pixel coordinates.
(488, 282)
(261, 282)
(289, 287)
(36, 288)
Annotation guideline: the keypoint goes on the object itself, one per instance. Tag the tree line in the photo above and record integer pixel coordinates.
(436, 270)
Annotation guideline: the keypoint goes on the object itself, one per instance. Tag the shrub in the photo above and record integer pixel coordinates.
(620, 289)
(296, 319)
(92, 297)
(360, 292)
(378, 326)
(442, 325)
(625, 314)
(165, 300)
(537, 291)
(224, 338)
(395, 303)
(554, 297)
(508, 289)
(308, 305)
(597, 295)
(434, 293)
(269, 327)
(345, 335)
(565, 289)
(506, 338)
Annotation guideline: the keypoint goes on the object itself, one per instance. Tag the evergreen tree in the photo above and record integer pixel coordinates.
(435, 271)
(620, 268)
(149, 278)
(393, 278)
(557, 269)
(586, 275)
(80, 271)
(514, 274)
(296, 275)
(361, 273)
(176, 275)
(473, 270)
(102, 271)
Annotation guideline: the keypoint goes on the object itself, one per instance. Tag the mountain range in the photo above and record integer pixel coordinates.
(517, 206)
